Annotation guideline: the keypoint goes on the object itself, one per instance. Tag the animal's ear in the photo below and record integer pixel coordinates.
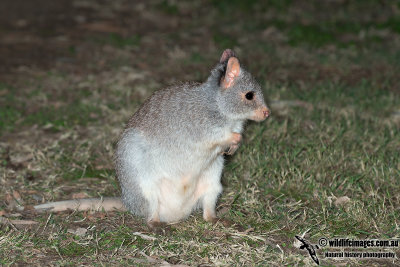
(227, 54)
(231, 73)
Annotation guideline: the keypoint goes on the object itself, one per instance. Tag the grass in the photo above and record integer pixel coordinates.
(333, 133)
(121, 42)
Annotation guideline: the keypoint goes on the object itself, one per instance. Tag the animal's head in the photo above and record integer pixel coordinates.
(240, 96)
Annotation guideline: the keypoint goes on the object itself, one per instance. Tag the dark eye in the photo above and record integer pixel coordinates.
(249, 95)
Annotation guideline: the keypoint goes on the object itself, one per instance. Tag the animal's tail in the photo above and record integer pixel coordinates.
(95, 204)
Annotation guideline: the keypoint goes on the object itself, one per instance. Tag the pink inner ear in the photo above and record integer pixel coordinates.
(232, 72)
(228, 53)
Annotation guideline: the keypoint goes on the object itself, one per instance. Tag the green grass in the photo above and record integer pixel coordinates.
(168, 7)
(118, 40)
(57, 119)
(332, 133)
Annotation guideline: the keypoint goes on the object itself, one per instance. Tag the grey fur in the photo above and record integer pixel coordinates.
(178, 119)
(130, 193)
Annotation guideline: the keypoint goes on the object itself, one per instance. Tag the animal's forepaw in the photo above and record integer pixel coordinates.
(235, 138)
(232, 149)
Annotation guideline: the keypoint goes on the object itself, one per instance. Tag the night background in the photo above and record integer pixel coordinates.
(327, 161)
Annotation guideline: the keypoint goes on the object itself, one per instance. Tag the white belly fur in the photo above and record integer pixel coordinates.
(172, 182)
(179, 197)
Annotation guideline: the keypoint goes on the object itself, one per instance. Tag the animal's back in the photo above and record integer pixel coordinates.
(174, 114)
(163, 144)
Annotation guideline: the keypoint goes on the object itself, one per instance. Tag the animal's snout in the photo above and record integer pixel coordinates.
(266, 112)
(261, 114)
